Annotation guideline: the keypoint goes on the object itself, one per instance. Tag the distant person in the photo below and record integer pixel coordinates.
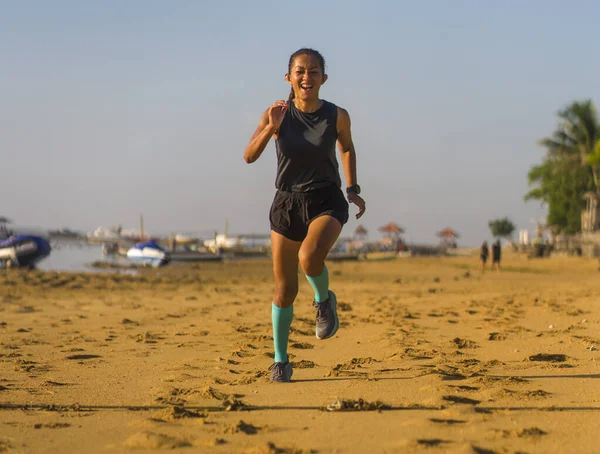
(496, 253)
(483, 255)
(309, 208)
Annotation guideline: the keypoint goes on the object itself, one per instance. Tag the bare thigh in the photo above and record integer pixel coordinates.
(323, 232)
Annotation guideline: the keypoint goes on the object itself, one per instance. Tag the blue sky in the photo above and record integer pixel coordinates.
(111, 109)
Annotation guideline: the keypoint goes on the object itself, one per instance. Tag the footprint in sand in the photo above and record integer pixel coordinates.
(175, 396)
(357, 405)
(301, 332)
(302, 345)
(6, 444)
(491, 380)
(242, 427)
(83, 357)
(461, 400)
(304, 364)
(348, 369)
(432, 442)
(271, 448)
(530, 432)
(449, 422)
(55, 425)
(464, 387)
(174, 413)
(250, 378)
(49, 383)
(242, 354)
(468, 448)
(536, 393)
(463, 343)
(553, 358)
(151, 440)
(209, 443)
(344, 307)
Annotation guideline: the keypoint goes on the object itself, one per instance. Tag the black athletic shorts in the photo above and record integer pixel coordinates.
(292, 212)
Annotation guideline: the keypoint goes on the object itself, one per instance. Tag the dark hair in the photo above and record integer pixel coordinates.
(305, 51)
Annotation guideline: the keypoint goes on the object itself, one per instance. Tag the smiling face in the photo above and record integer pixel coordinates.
(306, 75)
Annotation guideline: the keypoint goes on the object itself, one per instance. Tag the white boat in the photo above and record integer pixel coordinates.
(149, 254)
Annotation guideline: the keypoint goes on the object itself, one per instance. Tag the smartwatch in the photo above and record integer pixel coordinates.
(354, 189)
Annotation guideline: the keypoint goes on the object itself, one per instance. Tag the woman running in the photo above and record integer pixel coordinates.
(309, 208)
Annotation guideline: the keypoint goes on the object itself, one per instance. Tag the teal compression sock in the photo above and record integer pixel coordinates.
(282, 321)
(320, 285)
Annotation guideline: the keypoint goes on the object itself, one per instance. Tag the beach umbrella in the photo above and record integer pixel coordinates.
(391, 228)
(447, 234)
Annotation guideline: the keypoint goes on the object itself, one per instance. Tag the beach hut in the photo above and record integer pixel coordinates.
(392, 235)
(447, 237)
(391, 229)
(359, 239)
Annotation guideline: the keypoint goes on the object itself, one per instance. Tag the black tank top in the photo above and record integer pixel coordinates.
(305, 145)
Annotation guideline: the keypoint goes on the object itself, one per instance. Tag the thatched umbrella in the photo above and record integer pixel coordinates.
(391, 229)
(447, 235)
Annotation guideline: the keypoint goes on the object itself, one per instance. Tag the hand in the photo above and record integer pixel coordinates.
(359, 202)
(276, 113)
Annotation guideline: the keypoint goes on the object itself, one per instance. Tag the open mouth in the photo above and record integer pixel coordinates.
(306, 88)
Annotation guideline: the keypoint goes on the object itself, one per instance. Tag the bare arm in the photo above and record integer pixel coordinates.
(348, 157)
(267, 128)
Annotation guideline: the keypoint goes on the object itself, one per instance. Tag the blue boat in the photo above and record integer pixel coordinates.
(23, 251)
(148, 254)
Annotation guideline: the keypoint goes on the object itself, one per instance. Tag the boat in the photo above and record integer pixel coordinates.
(148, 254)
(23, 251)
(246, 245)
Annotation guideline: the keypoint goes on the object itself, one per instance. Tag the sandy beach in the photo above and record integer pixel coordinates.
(432, 356)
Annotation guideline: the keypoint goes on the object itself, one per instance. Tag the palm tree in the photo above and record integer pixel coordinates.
(577, 138)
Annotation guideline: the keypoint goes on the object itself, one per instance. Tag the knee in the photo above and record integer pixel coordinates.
(285, 294)
(311, 261)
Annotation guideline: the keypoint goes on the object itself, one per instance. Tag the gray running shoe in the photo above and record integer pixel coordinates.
(281, 372)
(327, 318)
